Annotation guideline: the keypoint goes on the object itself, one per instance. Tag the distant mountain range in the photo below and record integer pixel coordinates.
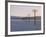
(16, 17)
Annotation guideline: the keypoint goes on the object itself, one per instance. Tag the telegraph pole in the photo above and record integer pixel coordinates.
(34, 16)
(29, 18)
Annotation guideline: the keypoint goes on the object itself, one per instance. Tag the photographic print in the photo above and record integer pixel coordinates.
(25, 18)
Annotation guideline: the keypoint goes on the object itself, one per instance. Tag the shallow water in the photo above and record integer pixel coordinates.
(25, 25)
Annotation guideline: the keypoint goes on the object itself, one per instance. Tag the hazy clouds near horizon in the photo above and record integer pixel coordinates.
(22, 11)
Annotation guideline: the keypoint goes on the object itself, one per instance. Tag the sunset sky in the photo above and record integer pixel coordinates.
(22, 11)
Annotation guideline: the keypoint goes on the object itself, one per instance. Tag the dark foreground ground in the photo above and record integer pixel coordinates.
(25, 25)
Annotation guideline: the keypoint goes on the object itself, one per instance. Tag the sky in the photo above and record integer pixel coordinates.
(23, 10)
